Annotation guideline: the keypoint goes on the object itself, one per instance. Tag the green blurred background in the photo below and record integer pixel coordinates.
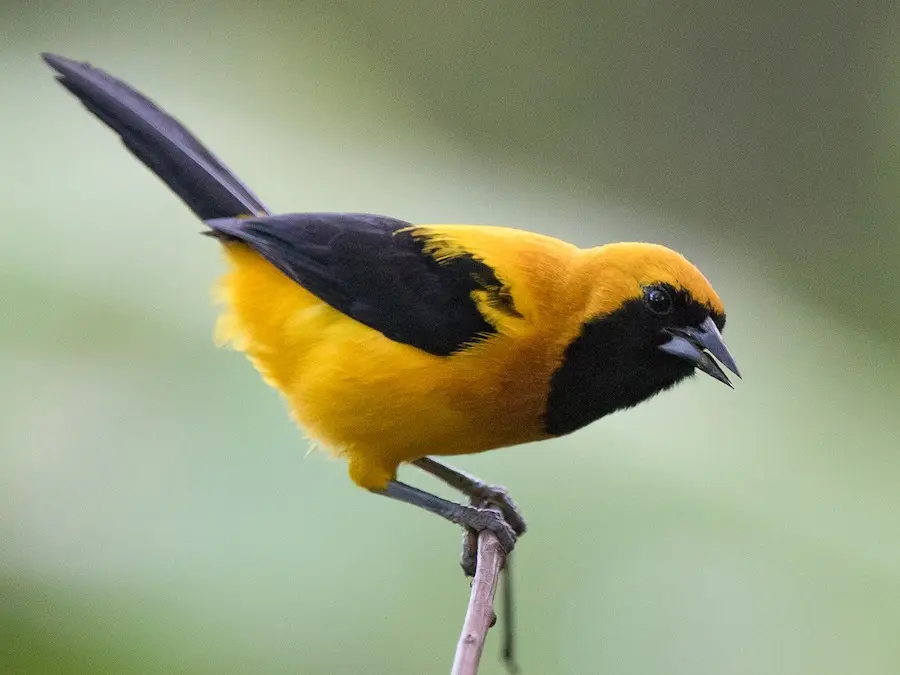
(158, 512)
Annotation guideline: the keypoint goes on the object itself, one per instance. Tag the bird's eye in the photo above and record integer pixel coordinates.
(658, 300)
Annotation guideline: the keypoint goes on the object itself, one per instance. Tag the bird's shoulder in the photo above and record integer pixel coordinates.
(539, 274)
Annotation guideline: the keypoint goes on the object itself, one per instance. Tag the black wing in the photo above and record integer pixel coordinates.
(205, 184)
(370, 269)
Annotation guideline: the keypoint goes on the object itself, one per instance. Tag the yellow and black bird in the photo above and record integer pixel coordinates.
(392, 341)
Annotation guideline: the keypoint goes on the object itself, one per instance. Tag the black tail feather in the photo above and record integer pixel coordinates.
(205, 184)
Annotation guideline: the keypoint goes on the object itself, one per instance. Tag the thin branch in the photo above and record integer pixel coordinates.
(480, 613)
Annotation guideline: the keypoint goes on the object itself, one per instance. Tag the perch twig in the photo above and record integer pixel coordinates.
(480, 612)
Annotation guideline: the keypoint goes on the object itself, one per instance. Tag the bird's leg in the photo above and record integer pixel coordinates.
(471, 517)
(477, 490)
(481, 493)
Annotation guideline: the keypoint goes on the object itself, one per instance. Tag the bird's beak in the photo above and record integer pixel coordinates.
(696, 344)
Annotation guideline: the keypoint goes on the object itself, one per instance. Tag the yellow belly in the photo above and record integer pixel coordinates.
(374, 401)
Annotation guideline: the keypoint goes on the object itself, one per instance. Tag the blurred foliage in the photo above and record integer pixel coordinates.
(157, 510)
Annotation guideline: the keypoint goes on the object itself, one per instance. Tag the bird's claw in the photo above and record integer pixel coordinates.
(490, 495)
(468, 559)
(485, 519)
(499, 497)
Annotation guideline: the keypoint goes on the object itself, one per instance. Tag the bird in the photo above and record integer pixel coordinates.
(397, 343)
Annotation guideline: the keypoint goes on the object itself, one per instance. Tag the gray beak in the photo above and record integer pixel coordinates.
(696, 344)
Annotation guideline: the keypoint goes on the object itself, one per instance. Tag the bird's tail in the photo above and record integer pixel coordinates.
(202, 181)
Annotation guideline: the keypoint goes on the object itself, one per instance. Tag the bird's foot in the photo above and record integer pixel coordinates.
(482, 519)
(468, 559)
(497, 495)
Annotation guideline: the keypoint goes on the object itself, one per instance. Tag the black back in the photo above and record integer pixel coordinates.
(372, 269)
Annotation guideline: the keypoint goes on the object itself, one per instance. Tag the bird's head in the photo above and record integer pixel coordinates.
(651, 320)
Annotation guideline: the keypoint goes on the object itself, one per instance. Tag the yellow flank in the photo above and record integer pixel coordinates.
(379, 403)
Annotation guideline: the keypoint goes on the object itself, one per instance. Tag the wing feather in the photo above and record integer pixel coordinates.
(373, 269)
